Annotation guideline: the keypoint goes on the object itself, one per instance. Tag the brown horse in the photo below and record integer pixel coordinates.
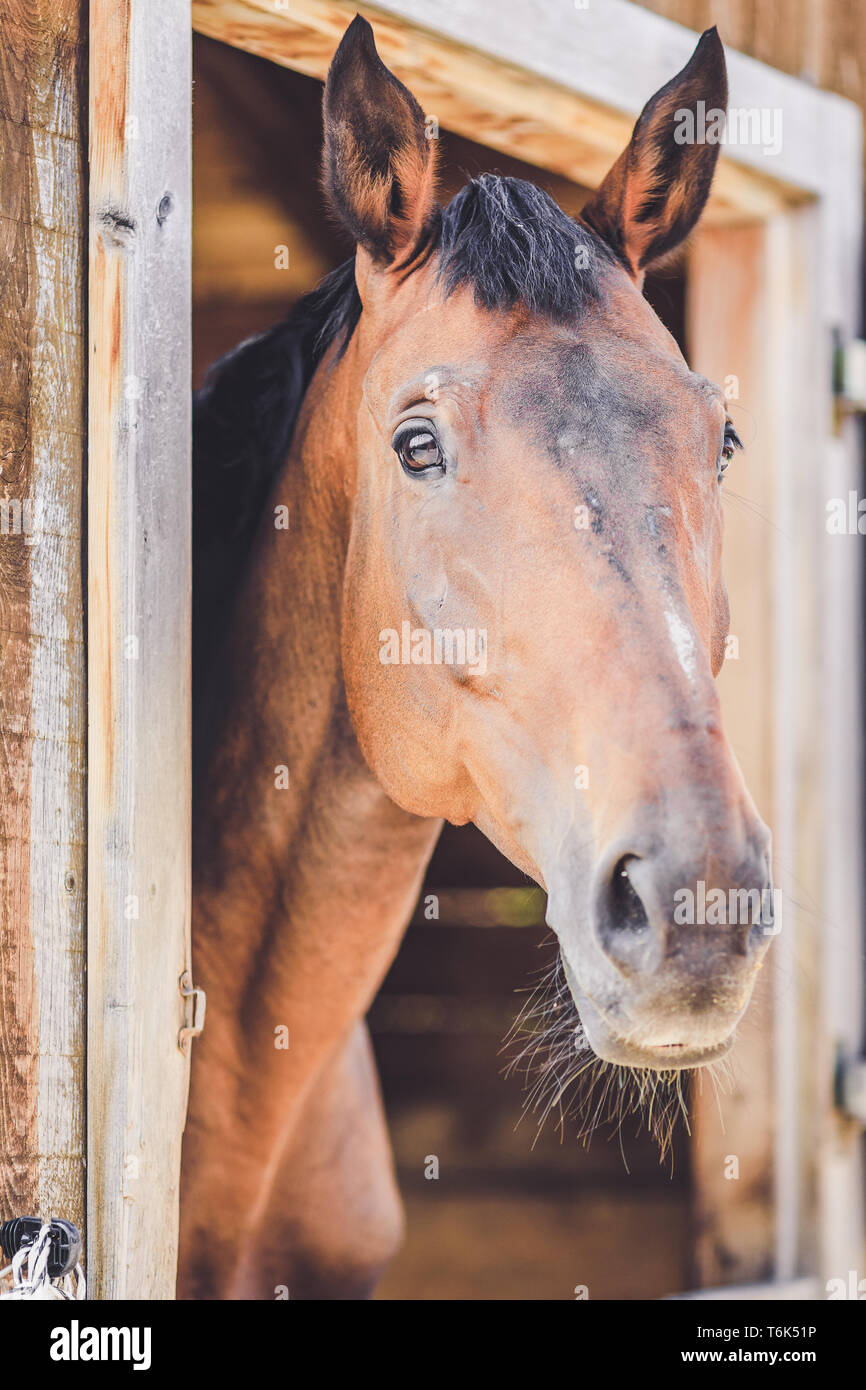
(460, 520)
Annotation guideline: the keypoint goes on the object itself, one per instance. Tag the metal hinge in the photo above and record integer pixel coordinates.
(199, 1007)
(851, 1087)
(849, 375)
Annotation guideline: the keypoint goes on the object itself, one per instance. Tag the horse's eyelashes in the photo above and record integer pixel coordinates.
(730, 443)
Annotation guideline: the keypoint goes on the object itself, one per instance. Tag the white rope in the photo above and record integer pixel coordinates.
(29, 1271)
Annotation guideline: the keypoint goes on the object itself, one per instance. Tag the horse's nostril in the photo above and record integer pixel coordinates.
(628, 913)
(763, 924)
(625, 933)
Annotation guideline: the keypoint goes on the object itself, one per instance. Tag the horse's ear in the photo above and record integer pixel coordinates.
(654, 194)
(378, 166)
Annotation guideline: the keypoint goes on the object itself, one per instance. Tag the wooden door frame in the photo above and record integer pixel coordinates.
(139, 622)
(560, 87)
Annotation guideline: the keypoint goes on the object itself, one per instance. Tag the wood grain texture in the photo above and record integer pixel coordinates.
(518, 82)
(41, 614)
(138, 637)
(727, 332)
(822, 41)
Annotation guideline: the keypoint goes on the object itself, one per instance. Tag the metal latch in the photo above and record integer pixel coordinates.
(64, 1250)
(199, 1007)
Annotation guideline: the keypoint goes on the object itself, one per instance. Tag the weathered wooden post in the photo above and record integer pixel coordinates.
(94, 463)
(42, 685)
(139, 603)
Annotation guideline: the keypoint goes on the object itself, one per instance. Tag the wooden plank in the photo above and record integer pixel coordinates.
(818, 40)
(728, 339)
(836, 468)
(138, 637)
(510, 89)
(41, 613)
(617, 53)
(803, 1071)
(760, 330)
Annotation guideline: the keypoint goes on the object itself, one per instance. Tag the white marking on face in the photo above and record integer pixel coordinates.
(684, 643)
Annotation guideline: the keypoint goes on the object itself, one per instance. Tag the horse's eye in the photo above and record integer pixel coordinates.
(730, 443)
(418, 449)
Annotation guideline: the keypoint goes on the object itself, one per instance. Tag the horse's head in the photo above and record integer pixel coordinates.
(534, 610)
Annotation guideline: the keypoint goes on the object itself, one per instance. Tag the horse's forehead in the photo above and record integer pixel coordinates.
(446, 336)
(598, 395)
(611, 386)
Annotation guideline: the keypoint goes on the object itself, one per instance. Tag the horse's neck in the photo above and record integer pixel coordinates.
(300, 853)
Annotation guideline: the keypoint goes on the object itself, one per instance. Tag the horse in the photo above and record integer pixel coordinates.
(458, 529)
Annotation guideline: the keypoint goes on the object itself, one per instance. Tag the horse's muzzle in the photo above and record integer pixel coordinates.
(672, 955)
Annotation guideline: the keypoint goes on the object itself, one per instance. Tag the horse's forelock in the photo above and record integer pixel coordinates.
(509, 241)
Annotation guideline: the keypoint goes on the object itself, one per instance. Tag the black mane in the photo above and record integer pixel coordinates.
(504, 237)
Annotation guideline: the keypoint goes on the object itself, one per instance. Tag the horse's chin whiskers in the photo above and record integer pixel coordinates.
(548, 1044)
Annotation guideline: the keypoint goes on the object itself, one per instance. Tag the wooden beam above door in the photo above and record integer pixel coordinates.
(477, 94)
